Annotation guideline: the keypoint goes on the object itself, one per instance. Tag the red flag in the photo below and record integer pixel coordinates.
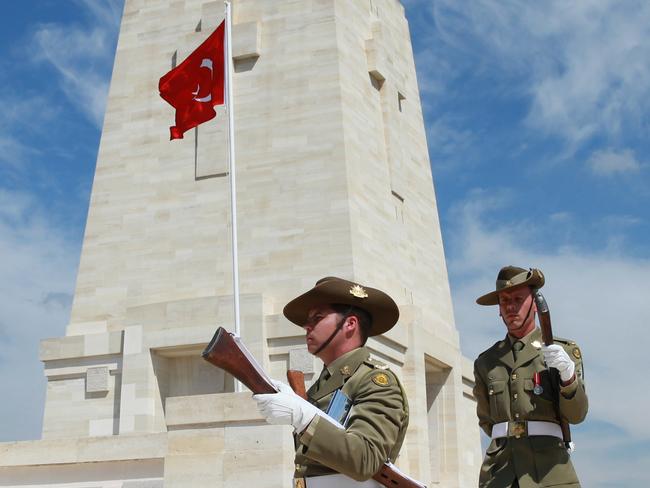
(196, 85)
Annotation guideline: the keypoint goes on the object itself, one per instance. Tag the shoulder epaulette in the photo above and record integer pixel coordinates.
(571, 347)
(561, 340)
(376, 364)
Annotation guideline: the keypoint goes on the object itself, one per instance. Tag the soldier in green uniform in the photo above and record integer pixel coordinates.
(523, 388)
(367, 410)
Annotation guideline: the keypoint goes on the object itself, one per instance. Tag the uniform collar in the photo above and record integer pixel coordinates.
(532, 342)
(340, 370)
(532, 336)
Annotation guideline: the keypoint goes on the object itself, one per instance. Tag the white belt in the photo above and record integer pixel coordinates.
(338, 481)
(526, 428)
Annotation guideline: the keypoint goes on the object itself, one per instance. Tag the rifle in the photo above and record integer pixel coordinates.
(547, 337)
(227, 352)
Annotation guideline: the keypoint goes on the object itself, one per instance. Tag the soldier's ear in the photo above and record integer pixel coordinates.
(352, 321)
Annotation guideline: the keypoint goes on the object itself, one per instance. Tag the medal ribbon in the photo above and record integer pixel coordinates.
(537, 381)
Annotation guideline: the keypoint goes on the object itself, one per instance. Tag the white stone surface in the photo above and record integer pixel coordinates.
(333, 179)
(97, 379)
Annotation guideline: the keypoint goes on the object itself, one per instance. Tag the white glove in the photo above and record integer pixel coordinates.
(282, 387)
(556, 357)
(286, 408)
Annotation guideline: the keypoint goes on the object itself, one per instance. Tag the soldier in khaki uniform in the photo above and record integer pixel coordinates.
(523, 388)
(370, 409)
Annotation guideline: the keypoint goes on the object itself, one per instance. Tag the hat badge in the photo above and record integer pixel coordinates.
(358, 292)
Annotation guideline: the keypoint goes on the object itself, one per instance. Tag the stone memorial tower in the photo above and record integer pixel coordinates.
(333, 178)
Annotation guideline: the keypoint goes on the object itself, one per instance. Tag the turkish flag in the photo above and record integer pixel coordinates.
(196, 85)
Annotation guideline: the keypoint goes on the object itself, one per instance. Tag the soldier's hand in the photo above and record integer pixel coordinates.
(282, 387)
(556, 357)
(286, 408)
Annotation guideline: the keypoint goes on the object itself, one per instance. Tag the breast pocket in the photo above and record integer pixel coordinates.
(498, 397)
(539, 406)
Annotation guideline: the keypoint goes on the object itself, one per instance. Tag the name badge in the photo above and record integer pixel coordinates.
(339, 407)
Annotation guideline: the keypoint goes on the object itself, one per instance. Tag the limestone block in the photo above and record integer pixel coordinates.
(247, 467)
(377, 62)
(102, 343)
(189, 452)
(76, 367)
(180, 341)
(279, 326)
(143, 484)
(63, 347)
(246, 41)
(206, 441)
(101, 427)
(106, 474)
(83, 450)
(133, 340)
(97, 379)
(80, 328)
(78, 346)
(211, 409)
(212, 14)
(301, 360)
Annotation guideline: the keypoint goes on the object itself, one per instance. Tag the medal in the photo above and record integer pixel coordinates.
(537, 389)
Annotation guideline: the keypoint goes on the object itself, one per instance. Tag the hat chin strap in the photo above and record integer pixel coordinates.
(525, 318)
(339, 326)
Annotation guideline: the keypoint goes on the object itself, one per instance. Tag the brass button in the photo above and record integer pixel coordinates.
(515, 396)
(514, 376)
(491, 392)
(516, 415)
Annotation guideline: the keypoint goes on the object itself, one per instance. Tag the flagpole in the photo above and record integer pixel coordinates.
(231, 157)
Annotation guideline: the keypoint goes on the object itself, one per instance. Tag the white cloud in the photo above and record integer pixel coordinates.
(584, 65)
(20, 121)
(37, 265)
(12, 152)
(106, 12)
(78, 54)
(608, 162)
(446, 142)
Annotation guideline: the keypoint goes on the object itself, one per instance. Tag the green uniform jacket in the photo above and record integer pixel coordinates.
(504, 392)
(376, 426)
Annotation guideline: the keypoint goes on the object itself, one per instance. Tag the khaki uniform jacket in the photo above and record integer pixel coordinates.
(375, 428)
(504, 392)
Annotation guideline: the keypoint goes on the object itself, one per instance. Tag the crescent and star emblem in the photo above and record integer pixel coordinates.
(205, 63)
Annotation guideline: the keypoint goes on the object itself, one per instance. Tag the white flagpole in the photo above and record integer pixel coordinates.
(231, 154)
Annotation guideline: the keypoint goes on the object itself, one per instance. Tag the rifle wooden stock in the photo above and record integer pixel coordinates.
(389, 475)
(544, 318)
(547, 336)
(226, 351)
(296, 381)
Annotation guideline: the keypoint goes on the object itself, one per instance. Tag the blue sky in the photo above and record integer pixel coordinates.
(537, 122)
